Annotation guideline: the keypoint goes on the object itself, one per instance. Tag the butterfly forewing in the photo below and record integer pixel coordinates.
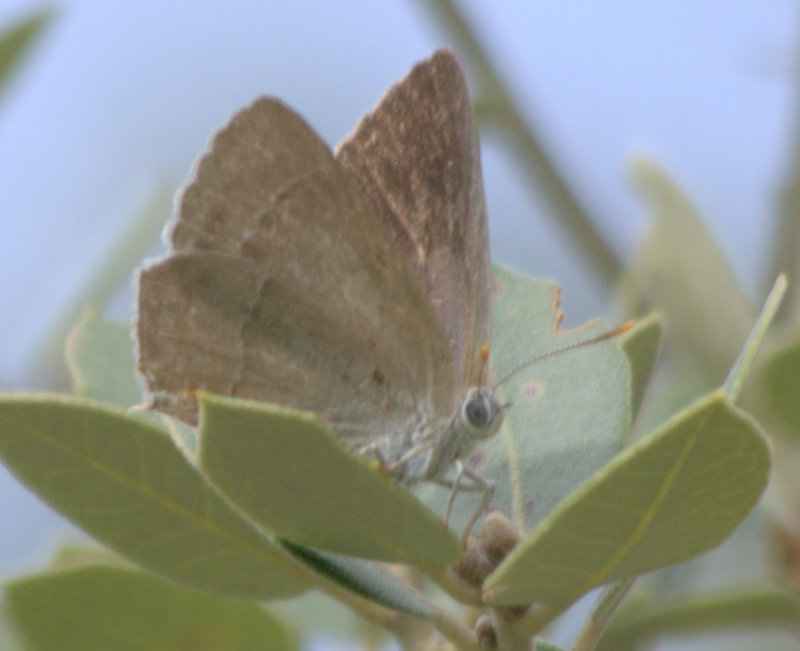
(416, 155)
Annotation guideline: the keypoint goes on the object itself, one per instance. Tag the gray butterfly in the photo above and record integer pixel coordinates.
(354, 285)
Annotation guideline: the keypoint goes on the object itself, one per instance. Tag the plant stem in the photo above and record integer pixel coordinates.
(456, 587)
(502, 112)
(593, 628)
(510, 636)
(462, 637)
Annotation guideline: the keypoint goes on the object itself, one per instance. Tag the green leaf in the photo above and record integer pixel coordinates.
(366, 579)
(109, 607)
(680, 271)
(100, 360)
(570, 413)
(290, 473)
(124, 481)
(544, 645)
(641, 345)
(641, 622)
(735, 379)
(16, 40)
(674, 494)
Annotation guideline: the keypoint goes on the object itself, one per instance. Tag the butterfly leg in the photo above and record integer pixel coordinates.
(413, 453)
(391, 467)
(476, 483)
(488, 488)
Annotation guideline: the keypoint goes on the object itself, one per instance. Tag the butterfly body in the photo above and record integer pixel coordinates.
(430, 450)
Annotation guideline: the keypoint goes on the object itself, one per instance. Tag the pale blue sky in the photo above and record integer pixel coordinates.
(120, 96)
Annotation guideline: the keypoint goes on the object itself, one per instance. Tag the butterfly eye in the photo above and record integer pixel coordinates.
(481, 413)
(476, 410)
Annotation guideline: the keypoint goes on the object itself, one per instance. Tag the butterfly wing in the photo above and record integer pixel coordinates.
(416, 155)
(285, 287)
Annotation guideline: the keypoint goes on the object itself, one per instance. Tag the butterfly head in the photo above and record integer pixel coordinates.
(481, 413)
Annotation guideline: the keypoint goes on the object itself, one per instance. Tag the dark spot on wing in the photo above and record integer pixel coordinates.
(377, 377)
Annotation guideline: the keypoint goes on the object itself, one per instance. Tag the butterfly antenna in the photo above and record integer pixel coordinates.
(579, 344)
(484, 365)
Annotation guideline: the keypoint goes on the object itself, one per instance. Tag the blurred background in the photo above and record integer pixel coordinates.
(115, 101)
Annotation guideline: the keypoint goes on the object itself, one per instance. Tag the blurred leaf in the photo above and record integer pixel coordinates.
(8, 641)
(781, 384)
(674, 494)
(287, 471)
(124, 481)
(641, 345)
(108, 607)
(100, 360)
(16, 40)
(111, 273)
(736, 377)
(680, 271)
(366, 579)
(673, 387)
(570, 413)
(640, 622)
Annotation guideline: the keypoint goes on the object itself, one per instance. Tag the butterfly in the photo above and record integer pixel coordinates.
(353, 284)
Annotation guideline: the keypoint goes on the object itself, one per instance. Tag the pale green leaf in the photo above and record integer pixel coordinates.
(108, 607)
(16, 40)
(287, 471)
(672, 495)
(641, 345)
(570, 413)
(736, 377)
(680, 271)
(641, 622)
(123, 480)
(100, 360)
